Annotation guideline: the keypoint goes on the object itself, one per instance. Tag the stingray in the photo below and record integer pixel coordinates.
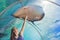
(33, 13)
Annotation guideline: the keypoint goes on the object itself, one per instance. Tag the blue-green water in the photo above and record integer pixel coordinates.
(9, 21)
(49, 25)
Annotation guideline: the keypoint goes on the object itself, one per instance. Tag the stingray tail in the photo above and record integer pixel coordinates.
(36, 29)
(36, 26)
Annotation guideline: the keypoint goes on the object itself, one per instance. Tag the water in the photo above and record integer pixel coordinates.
(49, 25)
(9, 21)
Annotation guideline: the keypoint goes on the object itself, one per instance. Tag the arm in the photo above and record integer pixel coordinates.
(23, 27)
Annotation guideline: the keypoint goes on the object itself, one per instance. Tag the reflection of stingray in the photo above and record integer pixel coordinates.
(6, 26)
(2, 35)
(57, 21)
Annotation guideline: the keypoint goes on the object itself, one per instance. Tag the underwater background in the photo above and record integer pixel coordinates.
(49, 26)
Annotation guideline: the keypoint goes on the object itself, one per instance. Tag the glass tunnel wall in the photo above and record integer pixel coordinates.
(8, 22)
(49, 25)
